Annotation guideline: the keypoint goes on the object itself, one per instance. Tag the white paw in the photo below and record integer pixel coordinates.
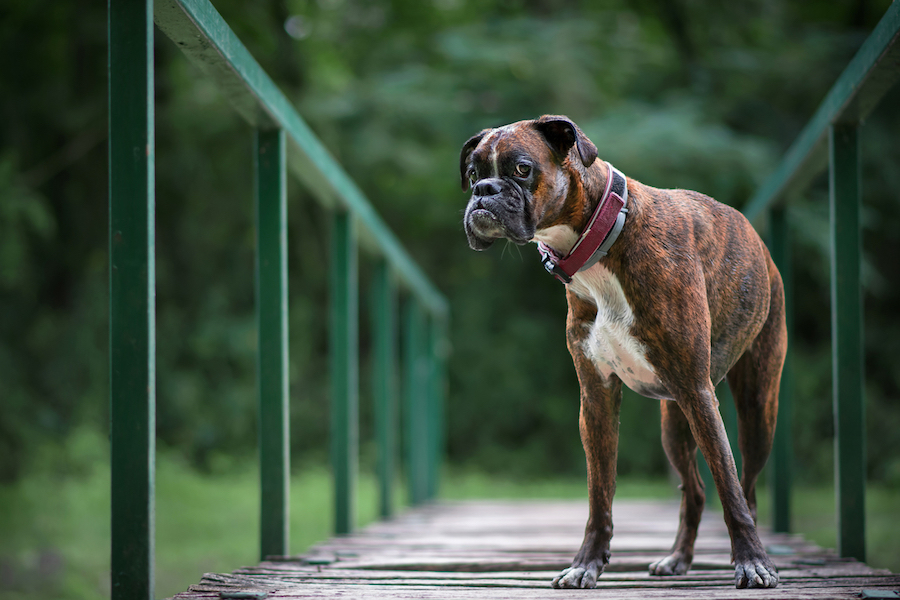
(755, 574)
(577, 577)
(674, 564)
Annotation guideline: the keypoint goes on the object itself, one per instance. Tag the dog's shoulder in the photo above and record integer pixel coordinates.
(669, 219)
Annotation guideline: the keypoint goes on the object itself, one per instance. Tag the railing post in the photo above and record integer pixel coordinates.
(846, 340)
(781, 463)
(437, 388)
(344, 370)
(132, 298)
(272, 331)
(384, 333)
(415, 395)
(429, 409)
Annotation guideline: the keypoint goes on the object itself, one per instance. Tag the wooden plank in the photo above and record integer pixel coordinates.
(420, 555)
(536, 543)
(711, 578)
(675, 584)
(424, 592)
(699, 575)
(460, 578)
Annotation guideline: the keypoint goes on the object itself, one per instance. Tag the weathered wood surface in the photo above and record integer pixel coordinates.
(494, 550)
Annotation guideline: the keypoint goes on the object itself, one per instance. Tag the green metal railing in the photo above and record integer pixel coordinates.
(283, 142)
(830, 139)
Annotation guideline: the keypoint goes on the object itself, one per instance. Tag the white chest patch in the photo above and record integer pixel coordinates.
(609, 344)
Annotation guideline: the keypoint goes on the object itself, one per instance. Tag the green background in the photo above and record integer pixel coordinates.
(681, 93)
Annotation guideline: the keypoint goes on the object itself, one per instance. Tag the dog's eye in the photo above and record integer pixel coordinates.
(523, 170)
(473, 177)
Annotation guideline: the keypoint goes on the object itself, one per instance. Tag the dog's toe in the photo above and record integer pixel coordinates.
(576, 577)
(674, 564)
(755, 575)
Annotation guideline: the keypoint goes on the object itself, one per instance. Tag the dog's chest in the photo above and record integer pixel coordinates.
(609, 343)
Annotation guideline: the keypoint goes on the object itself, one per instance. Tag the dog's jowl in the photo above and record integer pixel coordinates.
(669, 293)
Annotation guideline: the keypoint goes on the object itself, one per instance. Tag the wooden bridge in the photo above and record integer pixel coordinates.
(512, 549)
(437, 550)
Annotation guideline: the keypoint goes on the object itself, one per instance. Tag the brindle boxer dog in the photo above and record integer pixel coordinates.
(669, 292)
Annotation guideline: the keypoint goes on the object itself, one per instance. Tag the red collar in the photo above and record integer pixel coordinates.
(601, 232)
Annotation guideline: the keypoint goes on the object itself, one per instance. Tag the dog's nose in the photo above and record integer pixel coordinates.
(486, 187)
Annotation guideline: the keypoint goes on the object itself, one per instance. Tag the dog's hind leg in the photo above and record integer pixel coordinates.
(681, 449)
(754, 381)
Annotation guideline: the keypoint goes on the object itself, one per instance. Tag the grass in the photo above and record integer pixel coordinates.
(54, 529)
(54, 537)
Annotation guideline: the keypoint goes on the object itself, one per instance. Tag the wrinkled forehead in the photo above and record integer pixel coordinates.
(514, 141)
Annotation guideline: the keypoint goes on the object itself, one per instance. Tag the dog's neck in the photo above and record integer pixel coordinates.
(597, 235)
(593, 183)
(561, 236)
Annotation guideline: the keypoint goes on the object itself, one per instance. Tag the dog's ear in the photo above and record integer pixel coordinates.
(562, 134)
(464, 156)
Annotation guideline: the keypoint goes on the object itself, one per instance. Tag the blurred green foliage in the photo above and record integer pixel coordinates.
(676, 93)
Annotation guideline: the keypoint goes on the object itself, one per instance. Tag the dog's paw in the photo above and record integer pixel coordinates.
(755, 574)
(674, 564)
(577, 577)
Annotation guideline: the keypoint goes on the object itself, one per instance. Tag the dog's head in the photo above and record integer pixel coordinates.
(520, 176)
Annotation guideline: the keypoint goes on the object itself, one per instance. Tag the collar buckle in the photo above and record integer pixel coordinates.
(554, 269)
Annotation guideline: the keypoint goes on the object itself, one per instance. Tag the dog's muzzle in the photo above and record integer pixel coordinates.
(496, 210)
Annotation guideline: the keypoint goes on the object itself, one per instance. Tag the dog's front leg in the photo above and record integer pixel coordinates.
(599, 425)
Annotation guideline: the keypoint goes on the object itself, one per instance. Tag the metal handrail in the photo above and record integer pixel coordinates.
(830, 139)
(868, 76)
(206, 39)
(282, 141)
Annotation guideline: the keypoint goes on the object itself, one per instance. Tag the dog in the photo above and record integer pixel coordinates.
(668, 292)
